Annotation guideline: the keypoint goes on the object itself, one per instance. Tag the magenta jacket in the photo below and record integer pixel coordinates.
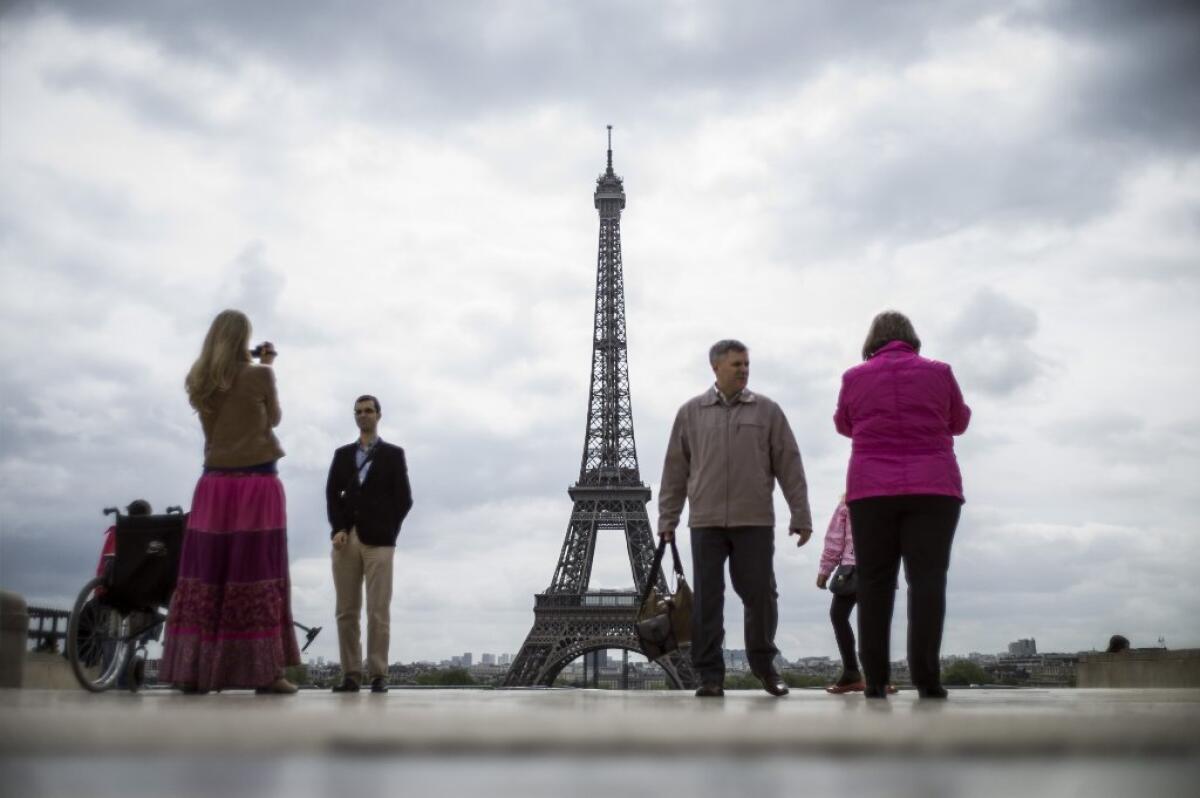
(839, 543)
(902, 411)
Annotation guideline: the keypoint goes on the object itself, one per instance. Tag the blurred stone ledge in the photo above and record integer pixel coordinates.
(974, 722)
(1141, 667)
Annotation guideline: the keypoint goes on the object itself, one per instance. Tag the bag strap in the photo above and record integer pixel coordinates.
(652, 577)
(675, 557)
(366, 462)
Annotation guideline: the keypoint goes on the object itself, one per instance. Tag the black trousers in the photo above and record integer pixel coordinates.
(917, 530)
(750, 551)
(839, 614)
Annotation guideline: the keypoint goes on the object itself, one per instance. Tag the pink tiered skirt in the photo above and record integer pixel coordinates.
(230, 620)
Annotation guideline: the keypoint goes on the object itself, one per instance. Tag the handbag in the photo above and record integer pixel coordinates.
(664, 623)
(844, 581)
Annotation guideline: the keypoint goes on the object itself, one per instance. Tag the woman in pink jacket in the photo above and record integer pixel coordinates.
(904, 492)
(839, 550)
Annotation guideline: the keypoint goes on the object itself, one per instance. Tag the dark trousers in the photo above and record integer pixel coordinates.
(839, 614)
(917, 530)
(750, 551)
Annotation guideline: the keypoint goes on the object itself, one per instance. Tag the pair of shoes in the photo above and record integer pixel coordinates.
(876, 691)
(710, 691)
(348, 685)
(936, 691)
(379, 685)
(849, 687)
(280, 686)
(774, 684)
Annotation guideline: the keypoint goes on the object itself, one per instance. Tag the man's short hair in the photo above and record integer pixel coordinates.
(138, 507)
(724, 347)
(366, 397)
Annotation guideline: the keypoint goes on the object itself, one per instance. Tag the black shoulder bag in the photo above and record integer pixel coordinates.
(844, 581)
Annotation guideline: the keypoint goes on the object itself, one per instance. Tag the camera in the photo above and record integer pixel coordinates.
(258, 351)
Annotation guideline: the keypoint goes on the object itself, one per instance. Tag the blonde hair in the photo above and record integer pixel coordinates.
(226, 348)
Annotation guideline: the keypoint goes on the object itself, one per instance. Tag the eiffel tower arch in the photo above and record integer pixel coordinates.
(569, 620)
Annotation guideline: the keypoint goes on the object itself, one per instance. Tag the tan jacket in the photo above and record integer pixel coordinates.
(724, 459)
(238, 431)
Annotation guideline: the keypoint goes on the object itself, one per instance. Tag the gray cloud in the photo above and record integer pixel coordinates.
(139, 91)
(253, 285)
(1140, 87)
(474, 56)
(420, 64)
(991, 339)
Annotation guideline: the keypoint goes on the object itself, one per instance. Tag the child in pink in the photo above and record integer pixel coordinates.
(839, 550)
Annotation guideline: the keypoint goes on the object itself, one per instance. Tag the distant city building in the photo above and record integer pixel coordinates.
(505, 659)
(1023, 648)
(466, 660)
(812, 662)
(488, 659)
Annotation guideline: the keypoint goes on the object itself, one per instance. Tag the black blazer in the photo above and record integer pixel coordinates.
(378, 506)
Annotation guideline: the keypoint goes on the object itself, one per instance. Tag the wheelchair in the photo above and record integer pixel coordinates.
(119, 611)
(123, 608)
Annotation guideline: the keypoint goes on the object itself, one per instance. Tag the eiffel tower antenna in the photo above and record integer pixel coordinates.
(609, 496)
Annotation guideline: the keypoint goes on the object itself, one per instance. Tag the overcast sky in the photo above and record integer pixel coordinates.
(400, 197)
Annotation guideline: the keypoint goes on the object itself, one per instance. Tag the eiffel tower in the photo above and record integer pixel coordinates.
(568, 620)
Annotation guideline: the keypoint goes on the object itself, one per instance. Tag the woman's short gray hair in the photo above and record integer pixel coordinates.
(724, 347)
(891, 325)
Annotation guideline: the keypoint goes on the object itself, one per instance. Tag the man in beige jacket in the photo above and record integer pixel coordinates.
(728, 447)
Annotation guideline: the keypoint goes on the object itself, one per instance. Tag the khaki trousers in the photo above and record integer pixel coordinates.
(353, 564)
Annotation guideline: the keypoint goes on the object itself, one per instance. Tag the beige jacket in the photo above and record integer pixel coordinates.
(724, 460)
(238, 431)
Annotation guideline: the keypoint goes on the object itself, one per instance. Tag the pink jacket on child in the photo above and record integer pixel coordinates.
(839, 543)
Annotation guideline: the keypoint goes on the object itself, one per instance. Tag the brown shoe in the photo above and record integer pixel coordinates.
(710, 691)
(348, 685)
(280, 686)
(850, 687)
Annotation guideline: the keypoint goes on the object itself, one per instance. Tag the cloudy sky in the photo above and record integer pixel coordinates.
(399, 195)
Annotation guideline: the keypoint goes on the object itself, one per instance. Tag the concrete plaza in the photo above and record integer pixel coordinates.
(601, 742)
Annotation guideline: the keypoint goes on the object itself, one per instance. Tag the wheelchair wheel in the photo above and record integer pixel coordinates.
(98, 643)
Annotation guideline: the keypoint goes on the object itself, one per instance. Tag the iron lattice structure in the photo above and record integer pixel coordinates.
(569, 620)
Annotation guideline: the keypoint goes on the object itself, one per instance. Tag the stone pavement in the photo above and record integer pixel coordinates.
(534, 742)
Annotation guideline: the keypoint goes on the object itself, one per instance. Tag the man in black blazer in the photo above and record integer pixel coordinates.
(367, 497)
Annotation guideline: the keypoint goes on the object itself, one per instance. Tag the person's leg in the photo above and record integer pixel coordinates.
(752, 572)
(877, 551)
(926, 534)
(377, 568)
(839, 615)
(710, 549)
(348, 586)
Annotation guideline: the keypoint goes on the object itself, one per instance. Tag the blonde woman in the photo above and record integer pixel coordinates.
(230, 622)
